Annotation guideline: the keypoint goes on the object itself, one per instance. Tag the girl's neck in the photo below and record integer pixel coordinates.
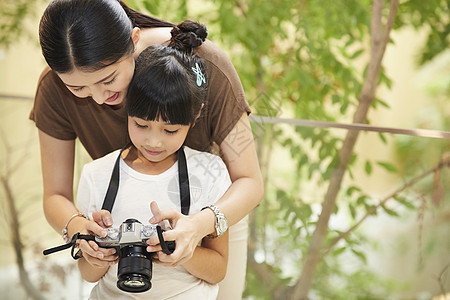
(135, 160)
(152, 36)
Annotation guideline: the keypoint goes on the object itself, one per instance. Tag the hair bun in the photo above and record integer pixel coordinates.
(188, 35)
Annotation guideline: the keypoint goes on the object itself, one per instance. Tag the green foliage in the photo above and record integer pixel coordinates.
(12, 20)
(307, 60)
(433, 15)
(174, 11)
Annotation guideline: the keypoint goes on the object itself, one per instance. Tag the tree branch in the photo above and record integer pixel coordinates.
(373, 209)
(367, 94)
(17, 242)
(14, 225)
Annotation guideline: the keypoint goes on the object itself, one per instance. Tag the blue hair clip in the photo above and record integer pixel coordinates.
(200, 77)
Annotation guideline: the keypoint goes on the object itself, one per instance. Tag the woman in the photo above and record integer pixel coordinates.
(90, 47)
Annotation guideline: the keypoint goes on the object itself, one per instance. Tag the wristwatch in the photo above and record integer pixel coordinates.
(221, 221)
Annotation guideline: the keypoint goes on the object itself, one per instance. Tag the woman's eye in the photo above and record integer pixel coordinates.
(171, 131)
(109, 82)
(78, 89)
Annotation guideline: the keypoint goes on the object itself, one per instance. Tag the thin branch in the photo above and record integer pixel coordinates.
(241, 8)
(16, 241)
(373, 209)
(441, 283)
(267, 278)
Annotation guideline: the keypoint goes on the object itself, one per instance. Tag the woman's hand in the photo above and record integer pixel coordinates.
(187, 231)
(95, 255)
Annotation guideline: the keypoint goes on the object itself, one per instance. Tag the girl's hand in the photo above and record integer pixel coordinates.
(186, 233)
(103, 218)
(95, 255)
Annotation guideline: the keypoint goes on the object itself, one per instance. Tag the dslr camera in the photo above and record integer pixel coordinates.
(135, 264)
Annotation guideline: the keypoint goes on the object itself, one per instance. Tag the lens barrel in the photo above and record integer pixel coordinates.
(135, 269)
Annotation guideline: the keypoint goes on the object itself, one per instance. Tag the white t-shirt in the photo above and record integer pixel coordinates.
(208, 180)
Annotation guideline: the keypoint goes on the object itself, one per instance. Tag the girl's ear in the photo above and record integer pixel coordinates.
(135, 36)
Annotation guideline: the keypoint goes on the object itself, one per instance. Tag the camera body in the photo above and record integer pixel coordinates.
(135, 263)
(130, 232)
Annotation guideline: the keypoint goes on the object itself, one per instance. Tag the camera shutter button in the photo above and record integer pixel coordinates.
(148, 231)
(112, 233)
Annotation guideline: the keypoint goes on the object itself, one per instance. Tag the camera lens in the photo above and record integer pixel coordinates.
(135, 269)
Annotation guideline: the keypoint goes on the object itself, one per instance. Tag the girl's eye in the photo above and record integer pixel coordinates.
(139, 125)
(171, 131)
(109, 82)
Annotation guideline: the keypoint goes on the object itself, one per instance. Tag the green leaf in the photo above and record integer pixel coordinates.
(404, 202)
(352, 189)
(368, 167)
(360, 255)
(377, 101)
(357, 53)
(339, 251)
(362, 200)
(335, 99)
(390, 211)
(382, 137)
(388, 167)
(352, 210)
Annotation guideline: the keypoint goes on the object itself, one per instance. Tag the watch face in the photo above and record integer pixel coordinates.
(222, 225)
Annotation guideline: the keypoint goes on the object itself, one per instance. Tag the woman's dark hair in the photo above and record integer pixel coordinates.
(89, 34)
(169, 82)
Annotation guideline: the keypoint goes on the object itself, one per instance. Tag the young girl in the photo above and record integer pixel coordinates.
(91, 46)
(165, 98)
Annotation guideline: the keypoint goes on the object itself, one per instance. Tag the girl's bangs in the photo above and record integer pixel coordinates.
(154, 105)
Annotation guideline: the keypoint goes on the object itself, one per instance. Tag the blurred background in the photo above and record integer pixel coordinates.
(388, 236)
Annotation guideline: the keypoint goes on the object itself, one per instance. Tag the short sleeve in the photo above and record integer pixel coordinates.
(48, 110)
(226, 101)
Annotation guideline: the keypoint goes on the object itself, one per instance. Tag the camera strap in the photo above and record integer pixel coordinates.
(183, 179)
(72, 243)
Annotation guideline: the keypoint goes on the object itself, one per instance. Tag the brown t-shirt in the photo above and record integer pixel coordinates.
(103, 128)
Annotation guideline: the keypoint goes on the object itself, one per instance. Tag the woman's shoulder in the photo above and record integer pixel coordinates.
(215, 57)
(50, 88)
(49, 78)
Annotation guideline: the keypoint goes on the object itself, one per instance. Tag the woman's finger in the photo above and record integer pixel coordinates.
(154, 248)
(168, 260)
(159, 216)
(185, 244)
